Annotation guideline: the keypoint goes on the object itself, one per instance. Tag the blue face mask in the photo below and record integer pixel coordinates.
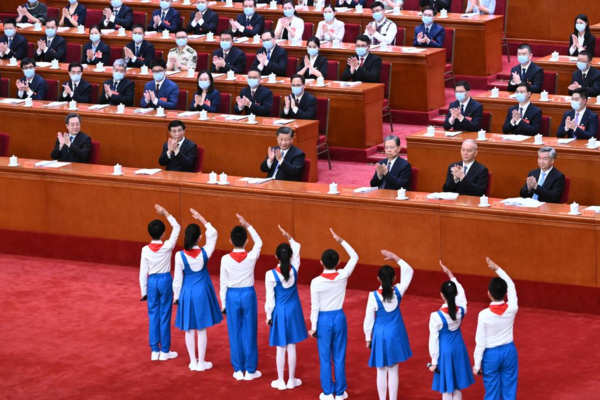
(10, 32)
(580, 27)
(29, 73)
(75, 77)
(158, 76)
(115, 3)
(32, 1)
(181, 42)
(204, 84)
(297, 90)
(118, 76)
(252, 82)
(268, 44)
(225, 45)
(378, 16)
(94, 37)
(575, 104)
(288, 13)
(137, 38)
(581, 65)
(201, 7)
(72, 1)
(460, 96)
(164, 5)
(521, 97)
(361, 51)
(523, 59)
(312, 51)
(249, 11)
(50, 32)
(427, 20)
(328, 16)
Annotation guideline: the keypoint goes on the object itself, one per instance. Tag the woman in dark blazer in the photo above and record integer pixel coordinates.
(95, 51)
(73, 15)
(581, 39)
(319, 67)
(206, 97)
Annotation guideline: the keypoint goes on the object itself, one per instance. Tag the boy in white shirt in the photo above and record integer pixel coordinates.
(156, 284)
(238, 300)
(328, 322)
(495, 353)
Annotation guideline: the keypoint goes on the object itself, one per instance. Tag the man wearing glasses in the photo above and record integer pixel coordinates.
(73, 146)
(363, 66)
(161, 92)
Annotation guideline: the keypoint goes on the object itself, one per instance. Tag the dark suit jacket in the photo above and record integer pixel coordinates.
(534, 76)
(79, 16)
(587, 125)
(18, 47)
(40, 11)
(39, 86)
(473, 184)
(257, 24)
(472, 121)
(183, 161)
(399, 177)
(437, 5)
(307, 109)
(320, 65)
(83, 93)
(57, 50)
(591, 83)
(171, 22)
(589, 42)
(144, 57)
(261, 103)
(533, 116)
(277, 64)
(368, 73)
(102, 47)
(437, 35)
(352, 4)
(211, 20)
(211, 102)
(79, 151)
(168, 95)
(235, 61)
(291, 166)
(551, 190)
(124, 19)
(122, 94)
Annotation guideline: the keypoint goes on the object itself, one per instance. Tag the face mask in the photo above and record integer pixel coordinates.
(204, 84)
(581, 65)
(138, 37)
(521, 97)
(32, 1)
(50, 32)
(10, 32)
(72, 1)
(94, 37)
(580, 27)
(118, 76)
(427, 20)
(575, 105)
(115, 3)
(252, 82)
(312, 51)
(288, 13)
(268, 44)
(378, 16)
(201, 7)
(29, 73)
(460, 96)
(225, 45)
(328, 16)
(523, 59)
(361, 51)
(181, 42)
(75, 77)
(249, 11)
(297, 90)
(165, 5)
(158, 76)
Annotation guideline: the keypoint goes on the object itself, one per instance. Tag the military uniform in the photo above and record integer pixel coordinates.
(187, 57)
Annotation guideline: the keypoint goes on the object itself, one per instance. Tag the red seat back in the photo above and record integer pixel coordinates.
(4, 141)
(52, 94)
(94, 152)
(95, 93)
(115, 54)
(30, 50)
(412, 5)
(351, 32)
(449, 45)
(53, 12)
(199, 161)
(486, 121)
(323, 115)
(385, 77)
(7, 15)
(546, 125)
(93, 17)
(182, 100)
(249, 61)
(333, 70)
(140, 18)
(268, 25)
(222, 25)
(158, 54)
(305, 171)
(275, 106)
(400, 37)
(225, 106)
(202, 61)
(550, 82)
(564, 197)
(488, 187)
(73, 52)
(4, 87)
(309, 30)
(414, 178)
(292, 66)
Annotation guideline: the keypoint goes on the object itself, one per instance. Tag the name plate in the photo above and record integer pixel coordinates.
(84, 108)
(588, 213)
(171, 115)
(241, 183)
(420, 197)
(499, 205)
(439, 135)
(268, 121)
(347, 192)
(29, 164)
(497, 138)
(37, 105)
(220, 118)
(128, 111)
(551, 142)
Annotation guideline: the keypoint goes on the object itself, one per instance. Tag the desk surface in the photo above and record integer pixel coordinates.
(565, 66)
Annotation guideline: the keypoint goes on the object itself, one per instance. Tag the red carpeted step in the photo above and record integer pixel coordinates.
(375, 158)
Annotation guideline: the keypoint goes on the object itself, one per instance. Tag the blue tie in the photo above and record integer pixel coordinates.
(269, 55)
(540, 183)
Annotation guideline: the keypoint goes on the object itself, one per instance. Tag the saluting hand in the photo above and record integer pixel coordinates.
(447, 271)
(161, 211)
(284, 233)
(243, 222)
(493, 266)
(335, 236)
(196, 215)
(388, 255)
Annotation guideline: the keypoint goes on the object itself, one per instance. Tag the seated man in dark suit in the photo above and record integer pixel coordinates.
(166, 18)
(284, 162)
(429, 33)
(464, 114)
(117, 16)
(74, 146)
(31, 85)
(118, 90)
(436, 5)
(179, 153)
(50, 46)
(467, 177)
(579, 122)
(271, 58)
(364, 66)
(228, 58)
(394, 172)
(160, 92)
(255, 98)
(76, 88)
(249, 23)
(12, 44)
(545, 183)
(299, 104)
(524, 118)
(526, 71)
(586, 76)
(204, 20)
(139, 51)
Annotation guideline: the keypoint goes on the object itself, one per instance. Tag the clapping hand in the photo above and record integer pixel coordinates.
(90, 54)
(531, 183)
(516, 116)
(570, 124)
(287, 102)
(353, 63)
(371, 29)
(458, 172)
(271, 154)
(240, 102)
(42, 45)
(292, 102)
(156, 20)
(246, 101)
(61, 139)
(152, 95)
(574, 85)
(147, 96)
(262, 58)
(382, 169)
(107, 13)
(516, 78)
(128, 53)
(67, 89)
(107, 90)
(278, 155)
(455, 112)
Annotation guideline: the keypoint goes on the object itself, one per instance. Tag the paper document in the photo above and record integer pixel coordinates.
(593, 208)
(63, 28)
(188, 114)
(196, 36)
(451, 133)
(148, 33)
(522, 202)
(57, 164)
(99, 106)
(147, 171)
(283, 121)
(468, 15)
(106, 31)
(443, 196)
(168, 73)
(56, 104)
(365, 189)
(342, 9)
(215, 76)
(43, 64)
(24, 25)
(412, 50)
(241, 39)
(515, 138)
(259, 181)
(235, 117)
(12, 101)
(143, 110)
(565, 141)
(348, 84)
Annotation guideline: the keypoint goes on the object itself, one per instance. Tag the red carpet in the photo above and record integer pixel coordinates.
(78, 330)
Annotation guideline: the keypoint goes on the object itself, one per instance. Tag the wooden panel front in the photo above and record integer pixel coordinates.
(564, 68)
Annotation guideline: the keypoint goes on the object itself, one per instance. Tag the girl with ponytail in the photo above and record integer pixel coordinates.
(284, 311)
(194, 293)
(449, 358)
(384, 327)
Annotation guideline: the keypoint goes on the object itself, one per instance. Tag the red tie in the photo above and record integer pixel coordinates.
(362, 59)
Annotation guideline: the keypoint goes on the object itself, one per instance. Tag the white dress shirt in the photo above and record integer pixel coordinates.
(337, 29)
(524, 107)
(270, 281)
(29, 92)
(178, 148)
(239, 275)
(196, 264)
(388, 31)
(158, 262)
(270, 163)
(436, 324)
(296, 23)
(329, 294)
(580, 40)
(496, 330)
(200, 21)
(406, 275)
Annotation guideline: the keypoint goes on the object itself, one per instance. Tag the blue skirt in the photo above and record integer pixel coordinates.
(288, 325)
(198, 306)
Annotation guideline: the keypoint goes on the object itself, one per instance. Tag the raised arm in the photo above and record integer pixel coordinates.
(351, 264)
(295, 248)
(211, 233)
(253, 234)
(406, 271)
(176, 228)
(513, 301)
(461, 299)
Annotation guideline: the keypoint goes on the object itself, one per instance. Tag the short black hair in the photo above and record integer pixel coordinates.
(227, 32)
(269, 31)
(27, 61)
(395, 138)
(363, 38)
(238, 236)
(157, 62)
(211, 88)
(253, 1)
(377, 4)
(428, 8)
(526, 85)
(156, 229)
(525, 46)
(138, 26)
(298, 76)
(75, 64)
(180, 30)
(97, 27)
(10, 21)
(464, 84)
(498, 288)
(285, 130)
(175, 124)
(581, 91)
(330, 258)
(314, 40)
(51, 20)
(254, 70)
(330, 5)
(588, 54)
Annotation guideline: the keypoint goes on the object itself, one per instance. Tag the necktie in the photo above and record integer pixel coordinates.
(540, 183)
(49, 43)
(382, 186)
(427, 32)
(71, 138)
(164, 15)
(521, 111)
(157, 88)
(362, 60)
(465, 169)
(462, 109)
(576, 119)
(252, 93)
(74, 87)
(10, 43)
(247, 21)
(137, 51)
(115, 84)
(584, 75)
(277, 166)
(269, 55)
(523, 72)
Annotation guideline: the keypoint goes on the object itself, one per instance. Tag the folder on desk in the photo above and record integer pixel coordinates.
(12, 101)
(99, 106)
(147, 171)
(188, 114)
(443, 196)
(24, 25)
(241, 39)
(522, 202)
(259, 181)
(63, 28)
(365, 189)
(283, 121)
(196, 36)
(51, 164)
(235, 117)
(143, 110)
(106, 31)
(56, 104)
(43, 64)
(169, 73)
(215, 76)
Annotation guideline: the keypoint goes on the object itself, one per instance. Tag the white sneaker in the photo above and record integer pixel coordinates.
(167, 356)
(278, 384)
(193, 365)
(324, 396)
(342, 397)
(250, 377)
(154, 356)
(203, 366)
(294, 383)
(239, 375)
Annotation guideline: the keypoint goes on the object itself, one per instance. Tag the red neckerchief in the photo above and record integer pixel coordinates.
(278, 270)
(498, 309)
(155, 246)
(238, 256)
(193, 253)
(330, 276)
(445, 310)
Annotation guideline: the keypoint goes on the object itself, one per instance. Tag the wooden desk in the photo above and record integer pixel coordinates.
(565, 68)
(137, 140)
(509, 162)
(595, 30)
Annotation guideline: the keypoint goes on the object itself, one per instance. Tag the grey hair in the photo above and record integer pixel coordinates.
(395, 138)
(548, 149)
(120, 63)
(471, 141)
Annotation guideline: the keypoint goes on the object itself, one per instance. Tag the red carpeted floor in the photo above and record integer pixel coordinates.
(78, 330)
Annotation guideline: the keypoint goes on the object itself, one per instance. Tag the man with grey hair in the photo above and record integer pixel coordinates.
(73, 145)
(118, 90)
(467, 177)
(393, 172)
(545, 183)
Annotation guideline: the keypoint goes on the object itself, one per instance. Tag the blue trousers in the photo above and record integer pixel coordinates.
(332, 339)
(500, 372)
(242, 321)
(160, 307)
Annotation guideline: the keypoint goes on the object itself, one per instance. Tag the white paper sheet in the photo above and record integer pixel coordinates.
(148, 171)
(443, 196)
(365, 189)
(522, 202)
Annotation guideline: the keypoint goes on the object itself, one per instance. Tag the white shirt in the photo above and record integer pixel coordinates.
(436, 324)
(329, 294)
(158, 262)
(196, 264)
(496, 330)
(467, 166)
(178, 147)
(296, 23)
(388, 31)
(524, 107)
(239, 275)
(580, 39)
(269, 162)
(337, 28)
(270, 281)
(200, 21)
(406, 275)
